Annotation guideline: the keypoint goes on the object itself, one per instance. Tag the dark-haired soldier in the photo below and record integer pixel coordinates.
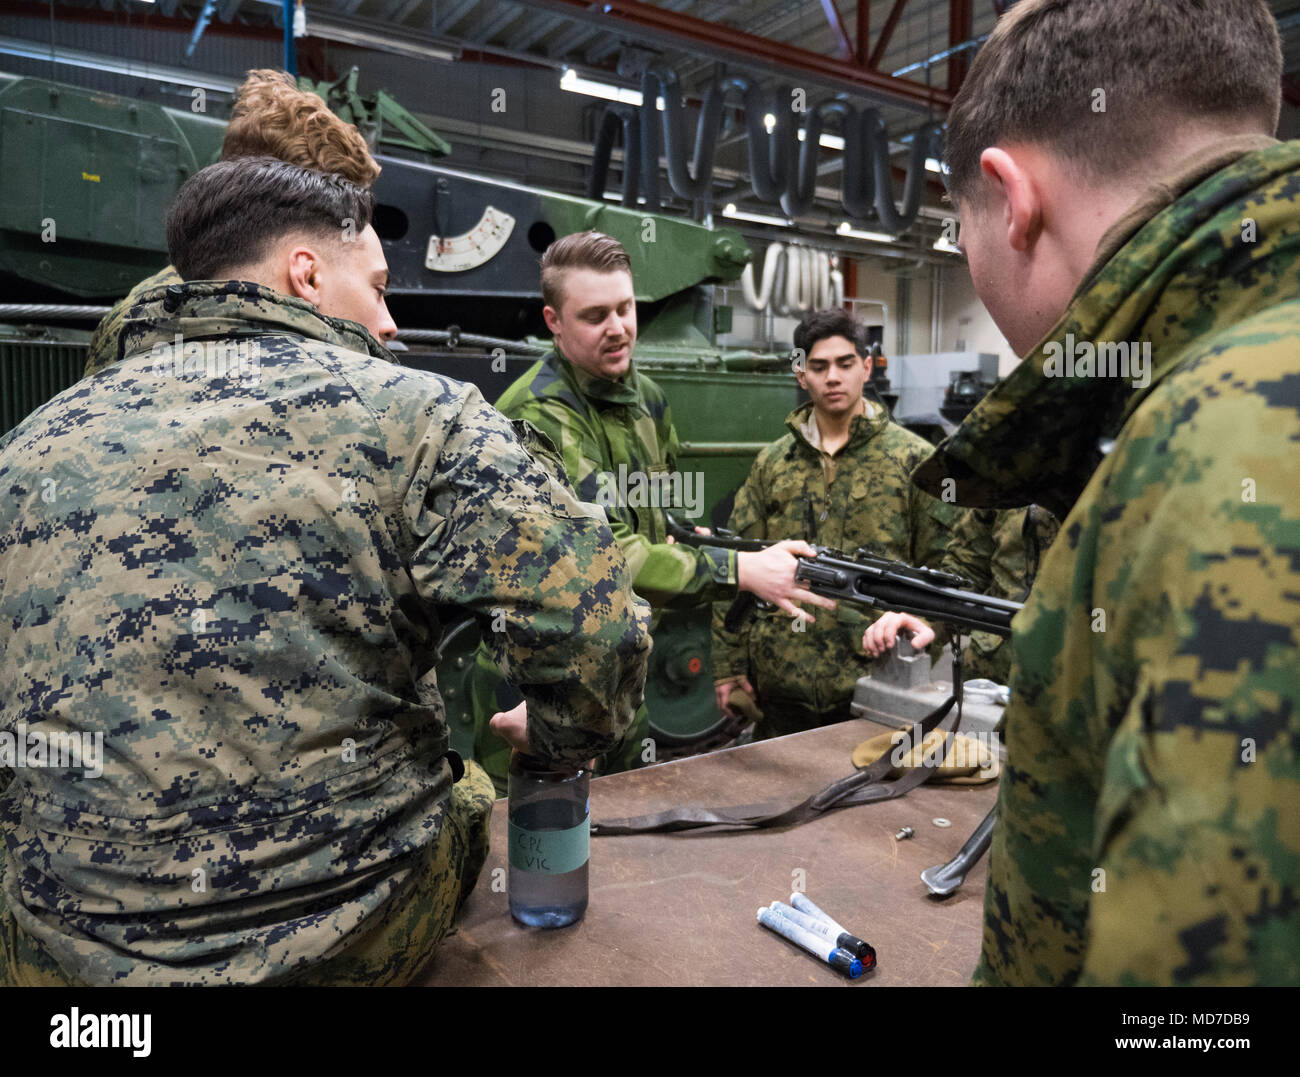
(271, 117)
(222, 561)
(840, 477)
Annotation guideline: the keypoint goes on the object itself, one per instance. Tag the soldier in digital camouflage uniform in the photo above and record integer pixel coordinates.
(1148, 829)
(271, 117)
(856, 493)
(607, 418)
(233, 564)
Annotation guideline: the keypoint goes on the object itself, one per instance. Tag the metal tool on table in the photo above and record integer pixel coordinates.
(944, 879)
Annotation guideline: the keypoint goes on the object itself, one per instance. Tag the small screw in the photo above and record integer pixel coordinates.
(904, 834)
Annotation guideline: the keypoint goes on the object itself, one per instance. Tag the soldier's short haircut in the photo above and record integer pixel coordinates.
(273, 118)
(230, 214)
(581, 250)
(1160, 64)
(835, 322)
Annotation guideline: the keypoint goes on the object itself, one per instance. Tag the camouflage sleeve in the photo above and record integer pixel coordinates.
(996, 537)
(498, 534)
(730, 650)
(666, 576)
(1147, 826)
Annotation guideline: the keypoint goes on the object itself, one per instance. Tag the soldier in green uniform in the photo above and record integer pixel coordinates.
(223, 564)
(272, 117)
(1148, 830)
(839, 478)
(614, 432)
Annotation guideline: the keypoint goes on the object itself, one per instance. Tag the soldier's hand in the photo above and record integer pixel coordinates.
(880, 637)
(769, 574)
(512, 727)
(722, 692)
(699, 531)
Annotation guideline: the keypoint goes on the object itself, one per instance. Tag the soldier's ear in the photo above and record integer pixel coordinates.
(305, 274)
(552, 318)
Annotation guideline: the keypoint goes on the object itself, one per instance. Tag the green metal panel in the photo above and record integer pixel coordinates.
(668, 254)
(87, 179)
(723, 417)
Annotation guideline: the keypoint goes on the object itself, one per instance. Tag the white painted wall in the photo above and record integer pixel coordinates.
(964, 324)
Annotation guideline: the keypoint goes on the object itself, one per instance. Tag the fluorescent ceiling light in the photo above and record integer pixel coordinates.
(94, 61)
(730, 210)
(575, 83)
(356, 32)
(830, 142)
(942, 244)
(845, 229)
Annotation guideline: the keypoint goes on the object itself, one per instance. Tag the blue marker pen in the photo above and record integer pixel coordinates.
(866, 954)
(839, 959)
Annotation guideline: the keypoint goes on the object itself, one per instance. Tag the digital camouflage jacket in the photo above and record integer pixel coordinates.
(1149, 813)
(870, 502)
(606, 431)
(106, 341)
(228, 555)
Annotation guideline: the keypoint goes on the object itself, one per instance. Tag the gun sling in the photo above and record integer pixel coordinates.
(862, 787)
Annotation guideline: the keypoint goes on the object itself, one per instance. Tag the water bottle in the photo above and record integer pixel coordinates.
(549, 842)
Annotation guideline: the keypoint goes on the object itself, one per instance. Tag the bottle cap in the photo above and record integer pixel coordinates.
(844, 961)
(858, 949)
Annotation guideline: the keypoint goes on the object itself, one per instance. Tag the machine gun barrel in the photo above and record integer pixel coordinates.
(878, 583)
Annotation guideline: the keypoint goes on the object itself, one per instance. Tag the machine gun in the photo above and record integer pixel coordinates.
(867, 579)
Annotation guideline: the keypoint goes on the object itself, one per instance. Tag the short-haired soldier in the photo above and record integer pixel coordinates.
(270, 117)
(1134, 229)
(839, 477)
(608, 418)
(226, 556)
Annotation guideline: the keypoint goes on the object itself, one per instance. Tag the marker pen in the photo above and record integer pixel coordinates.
(866, 954)
(839, 959)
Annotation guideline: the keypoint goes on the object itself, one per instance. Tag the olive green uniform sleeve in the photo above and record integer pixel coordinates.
(666, 575)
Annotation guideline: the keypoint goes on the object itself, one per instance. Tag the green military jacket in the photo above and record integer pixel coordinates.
(106, 342)
(618, 443)
(870, 501)
(1149, 812)
(228, 556)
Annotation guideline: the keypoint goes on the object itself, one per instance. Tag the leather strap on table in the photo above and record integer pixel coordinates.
(862, 787)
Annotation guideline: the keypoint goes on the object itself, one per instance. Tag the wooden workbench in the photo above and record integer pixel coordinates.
(679, 909)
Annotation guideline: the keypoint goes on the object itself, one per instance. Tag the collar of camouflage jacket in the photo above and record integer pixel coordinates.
(600, 390)
(802, 423)
(205, 310)
(1190, 260)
